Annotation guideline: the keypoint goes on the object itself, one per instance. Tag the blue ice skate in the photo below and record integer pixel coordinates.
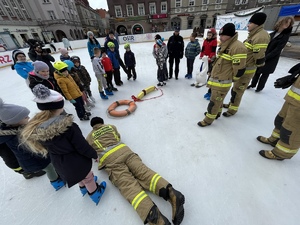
(96, 195)
(84, 190)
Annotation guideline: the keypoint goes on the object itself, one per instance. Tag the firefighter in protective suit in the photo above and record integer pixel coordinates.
(229, 64)
(285, 137)
(256, 44)
(132, 177)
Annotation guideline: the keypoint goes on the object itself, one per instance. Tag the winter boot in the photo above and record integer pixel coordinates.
(160, 84)
(93, 99)
(190, 76)
(102, 95)
(107, 92)
(87, 108)
(97, 194)
(177, 200)
(250, 86)
(271, 140)
(129, 76)
(84, 190)
(269, 155)
(164, 83)
(90, 103)
(227, 114)
(155, 217)
(207, 96)
(186, 76)
(114, 89)
(88, 113)
(193, 84)
(203, 123)
(85, 117)
(176, 76)
(29, 175)
(58, 183)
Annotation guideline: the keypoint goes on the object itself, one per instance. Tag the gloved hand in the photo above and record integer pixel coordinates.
(72, 101)
(285, 82)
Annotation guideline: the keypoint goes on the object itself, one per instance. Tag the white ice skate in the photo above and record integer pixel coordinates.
(201, 76)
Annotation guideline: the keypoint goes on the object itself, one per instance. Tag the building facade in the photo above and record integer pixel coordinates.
(138, 17)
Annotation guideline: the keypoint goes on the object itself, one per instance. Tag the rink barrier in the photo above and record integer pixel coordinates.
(6, 58)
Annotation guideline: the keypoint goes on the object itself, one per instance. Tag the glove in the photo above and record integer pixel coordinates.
(72, 101)
(285, 82)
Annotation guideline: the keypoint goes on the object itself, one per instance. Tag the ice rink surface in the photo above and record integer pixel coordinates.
(218, 169)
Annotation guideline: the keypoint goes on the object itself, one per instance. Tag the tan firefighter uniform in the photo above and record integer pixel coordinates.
(127, 171)
(256, 44)
(230, 63)
(287, 126)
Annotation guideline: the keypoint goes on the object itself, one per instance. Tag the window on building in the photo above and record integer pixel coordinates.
(177, 3)
(237, 2)
(46, 1)
(191, 2)
(21, 4)
(152, 8)
(51, 15)
(63, 12)
(164, 7)
(26, 14)
(68, 16)
(19, 14)
(218, 1)
(10, 12)
(141, 9)
(129, 9)
(118, 11)
(13, 3)
(205, 2)
(2, 13)
(4, 2)
(244, 2)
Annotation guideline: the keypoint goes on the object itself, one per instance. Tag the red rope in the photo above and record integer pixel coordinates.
(145, 99)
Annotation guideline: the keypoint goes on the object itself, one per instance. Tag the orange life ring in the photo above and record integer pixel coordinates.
(113, 112)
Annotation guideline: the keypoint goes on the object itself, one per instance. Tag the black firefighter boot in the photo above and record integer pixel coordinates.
(271, 140)
(156, 218)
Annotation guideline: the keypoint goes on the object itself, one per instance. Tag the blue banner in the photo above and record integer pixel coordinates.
(290, 10)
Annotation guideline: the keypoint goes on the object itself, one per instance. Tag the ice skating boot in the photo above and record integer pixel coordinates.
(102, 95)
(58, 183)
(29, 175)
(92, 98)
(87, 108)
(177, 199)
(97, 194)
(160, 84)
(108, 92)
(207, 96)
(84, 190)
(90, 103)
(271, 140)
(156, 218)
(269, 155)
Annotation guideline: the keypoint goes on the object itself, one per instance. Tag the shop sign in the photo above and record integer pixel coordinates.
(159, 16)
(136, 18)
(183, 14)
(128, 38)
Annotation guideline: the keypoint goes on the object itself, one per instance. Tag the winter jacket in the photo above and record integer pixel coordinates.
(83, 74)
(63, 58)
(68, 86)
(192, 49)
(32, 55)
(98, 67)
(256, 45)
(175, 46)
(209, 48)
(116, 46)
(160, 54)
(34, 80)
(76, 78)
(91, 45)
(293, 95)
(106, 64)
(114, 59)
(274, 49)
(28, 161)
(164, 50)
(230, 63)
(129, 59)
(66, 42)
(70, 153)
(23, 68)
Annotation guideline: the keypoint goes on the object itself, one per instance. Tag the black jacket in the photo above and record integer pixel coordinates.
(70, 153)
(274, 49)
(34, 80)
(175, 46)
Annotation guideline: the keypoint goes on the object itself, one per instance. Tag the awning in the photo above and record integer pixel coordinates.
(292, 10)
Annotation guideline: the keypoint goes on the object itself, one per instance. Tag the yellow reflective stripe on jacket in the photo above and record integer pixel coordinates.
(275, 134)
(153, 182)
(235, 108)
(218, 84)
(248, 45)
(286, 150)
(138, 198)
(97, 142)
(260, 46)
(293, 95)
(239, 56)
(295, 90)
(225, 56)
(110, 152)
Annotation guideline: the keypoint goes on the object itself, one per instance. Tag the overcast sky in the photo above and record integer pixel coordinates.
(98, 4)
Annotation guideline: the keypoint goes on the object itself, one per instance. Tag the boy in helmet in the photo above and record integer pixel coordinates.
(115, 62)
(129, 60)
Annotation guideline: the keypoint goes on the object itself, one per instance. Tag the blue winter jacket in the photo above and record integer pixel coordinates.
(28, 161)
(23, 68)
(129, 59)
(192, 49)
(116, 45)
(91, 47)
(113, 59)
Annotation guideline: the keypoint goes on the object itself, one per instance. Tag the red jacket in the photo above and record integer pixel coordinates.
(209, 48)
(106, 64)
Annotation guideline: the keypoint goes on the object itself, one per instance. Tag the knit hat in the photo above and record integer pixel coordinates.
(228, 29)
(15, 53)
(212, 31)
(70, 64)
(47, 99)
(96, 120)
(12, 114)
(63, 51)
(89, 33)
(177, 29)
(39, 65)
(159, 42)
(258, 18)
(157, 36)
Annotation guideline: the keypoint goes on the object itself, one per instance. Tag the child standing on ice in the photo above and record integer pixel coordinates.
(160, 53)
(54, 133)
(129, 60)
(191, 51)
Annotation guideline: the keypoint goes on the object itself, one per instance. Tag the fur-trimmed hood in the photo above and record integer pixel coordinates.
(9, 131)
(51, 128)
